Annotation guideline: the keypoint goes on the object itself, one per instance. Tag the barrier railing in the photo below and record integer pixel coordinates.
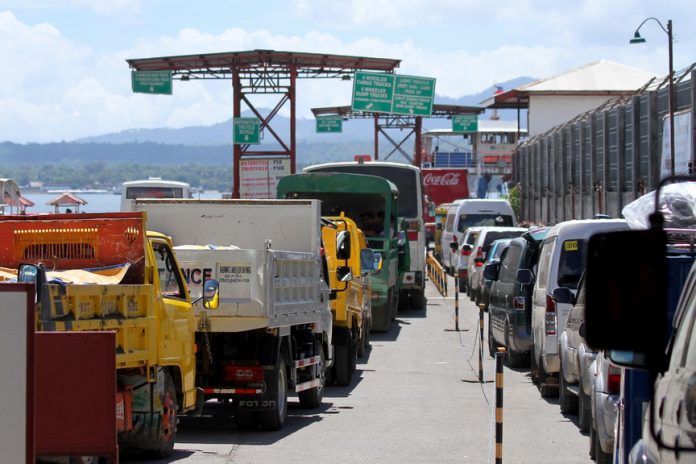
(436, 274)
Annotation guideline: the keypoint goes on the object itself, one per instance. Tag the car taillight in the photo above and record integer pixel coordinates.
(550, 316)
(479, 257)
(518, 303)
(244, 373)
(614, 380)
(412, 236)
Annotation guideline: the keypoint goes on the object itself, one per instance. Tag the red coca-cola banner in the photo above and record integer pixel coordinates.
(444, 185)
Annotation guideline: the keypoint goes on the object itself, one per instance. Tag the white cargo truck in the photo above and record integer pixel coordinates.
(272, 328)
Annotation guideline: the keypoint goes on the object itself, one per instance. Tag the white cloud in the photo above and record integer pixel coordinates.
(56, 89)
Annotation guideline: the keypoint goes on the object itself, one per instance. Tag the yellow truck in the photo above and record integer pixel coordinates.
(104, 272)
(350, 261)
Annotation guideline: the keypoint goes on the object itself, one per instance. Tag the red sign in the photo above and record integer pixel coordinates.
(444, 185)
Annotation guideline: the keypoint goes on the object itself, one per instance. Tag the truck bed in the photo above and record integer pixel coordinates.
(258, 288)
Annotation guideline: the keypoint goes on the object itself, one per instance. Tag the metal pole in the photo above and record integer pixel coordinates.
(456, 300)
(671, 97)
(499, 405)
(481, 343)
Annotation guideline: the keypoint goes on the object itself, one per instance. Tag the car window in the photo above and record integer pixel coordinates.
(449, 224)
(509, 266)
(544, 262)
(471, 237)
(480, 220)
(571, 262)
(492, 236)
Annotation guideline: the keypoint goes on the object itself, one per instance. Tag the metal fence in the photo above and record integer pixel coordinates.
(602, 159)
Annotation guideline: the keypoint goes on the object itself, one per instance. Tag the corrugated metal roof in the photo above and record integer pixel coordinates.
(598, 76)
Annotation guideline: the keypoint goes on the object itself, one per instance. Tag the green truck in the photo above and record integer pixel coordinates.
(359, 196)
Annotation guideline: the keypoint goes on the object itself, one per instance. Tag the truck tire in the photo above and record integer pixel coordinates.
(545, 389)
(567, 400)
(381, 317)
(364, 342)
(514, 358)
(274, 418)
(311, 399)
(418, 300)
(584, 411)
(344, 352)
(166, 433)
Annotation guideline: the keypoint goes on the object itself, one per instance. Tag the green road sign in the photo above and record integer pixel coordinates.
(158, 82)
(326, 124)
(373, 92)
(413, 95)
(464, 123)
(247, 131)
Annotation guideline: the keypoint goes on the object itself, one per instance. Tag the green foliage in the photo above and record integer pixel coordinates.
(515, 201)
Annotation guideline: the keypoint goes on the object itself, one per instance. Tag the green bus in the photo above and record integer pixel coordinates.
(372, 202)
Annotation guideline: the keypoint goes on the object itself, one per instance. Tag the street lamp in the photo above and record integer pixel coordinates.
(637, 39)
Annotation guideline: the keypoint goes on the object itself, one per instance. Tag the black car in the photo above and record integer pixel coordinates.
(509, 308)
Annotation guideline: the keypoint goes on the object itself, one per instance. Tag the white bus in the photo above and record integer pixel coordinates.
(408, 180)
(154, 187)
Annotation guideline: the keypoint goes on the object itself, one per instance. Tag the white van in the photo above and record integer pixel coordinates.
(471, 213)
(561, 263)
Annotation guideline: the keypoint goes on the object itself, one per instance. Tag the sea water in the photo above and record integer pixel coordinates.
(96, 202)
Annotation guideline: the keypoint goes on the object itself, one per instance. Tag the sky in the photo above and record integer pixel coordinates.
(65, 74)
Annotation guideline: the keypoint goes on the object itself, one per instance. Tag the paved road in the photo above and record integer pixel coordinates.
(415, 399)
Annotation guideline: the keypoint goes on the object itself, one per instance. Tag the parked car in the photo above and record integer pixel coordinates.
(493, 256)
(509, 309)
(561, 263)
(605, 395)
(462, 258)
(472, 213)
(480, 246)
(576, 381)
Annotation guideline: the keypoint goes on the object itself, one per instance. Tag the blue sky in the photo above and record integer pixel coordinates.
(65, 74)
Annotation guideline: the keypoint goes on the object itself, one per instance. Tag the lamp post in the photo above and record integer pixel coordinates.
(638, 39)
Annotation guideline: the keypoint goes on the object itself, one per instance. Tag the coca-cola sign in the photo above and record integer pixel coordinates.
(449, 178)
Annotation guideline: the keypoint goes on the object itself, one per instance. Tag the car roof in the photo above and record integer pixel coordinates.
(583, 226)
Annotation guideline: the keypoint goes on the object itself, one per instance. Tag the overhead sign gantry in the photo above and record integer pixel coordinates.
(388, 121)
(254, 72)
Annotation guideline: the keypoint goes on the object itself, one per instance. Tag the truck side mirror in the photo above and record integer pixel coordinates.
(490, 272)
(626, 295)
(367, 259)
(563, 295)
(344, 274)
(525, 276)
(343, 245)
(211, 294)
(32, 274)
(377, 263)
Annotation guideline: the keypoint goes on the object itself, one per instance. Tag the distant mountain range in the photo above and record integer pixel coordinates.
(212, 145)
(221, 133)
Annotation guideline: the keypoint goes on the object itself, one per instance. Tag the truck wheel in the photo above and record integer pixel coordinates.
(567, 400)
(311, 399)
(381, 317)
(492, 345)
(364, 342)
(514, 358)
(584, 411)
(166, 435)
(545, 389)
(278, 392)
(418, 300)
(343, 353)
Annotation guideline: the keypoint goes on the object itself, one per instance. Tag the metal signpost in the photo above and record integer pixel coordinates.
(390, 93)
(329, 124)
(154, 82)
(247, 131)
(464, 123)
